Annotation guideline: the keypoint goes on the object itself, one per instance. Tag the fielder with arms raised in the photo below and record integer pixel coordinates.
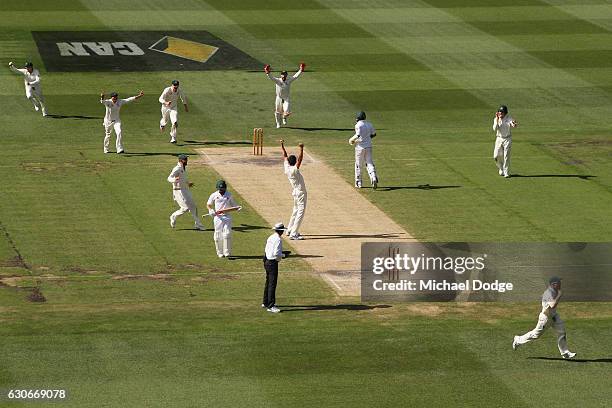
(282, 108)
(292, 171)
(550, 300)
(112, 120)
(362, 139)
(33, 89)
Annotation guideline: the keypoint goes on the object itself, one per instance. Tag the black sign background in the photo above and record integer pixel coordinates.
(227, 57)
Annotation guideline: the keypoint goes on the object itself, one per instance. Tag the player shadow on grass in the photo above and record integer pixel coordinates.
(339, 236)
(287, 254)
(574, 360)
(146, 154)
(419, 187)
(52, 116)
(316, 129)
(309, 308)
(580, 176)
(214, 142)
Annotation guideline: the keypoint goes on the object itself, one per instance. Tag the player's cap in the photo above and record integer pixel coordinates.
(361, 115)
(114, 94)
(221, 184)
(284, 73)
(503, 109)
(183, 157)
(554, 279)
(29, 64)
(279, 227)
(175, 82)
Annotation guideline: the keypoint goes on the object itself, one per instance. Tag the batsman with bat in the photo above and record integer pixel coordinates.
(282, 107)
(219, 205)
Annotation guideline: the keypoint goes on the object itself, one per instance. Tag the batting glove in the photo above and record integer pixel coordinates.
(267, 69)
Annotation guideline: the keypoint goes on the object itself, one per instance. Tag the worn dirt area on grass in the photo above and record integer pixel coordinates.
(338, 218)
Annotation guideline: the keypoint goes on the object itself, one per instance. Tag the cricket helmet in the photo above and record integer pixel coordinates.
(114, 94)
(175, 82)
(503, 109)
(29, 64)
(221, 185)
(361, 115)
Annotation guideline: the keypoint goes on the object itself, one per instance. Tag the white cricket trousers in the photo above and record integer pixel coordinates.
(223, 235)
(34, 94)
(501, 154)
(556, 323)
(282, 109)
(185, 202)
(361, 154)
(108, 128)
(299, 209)
(171, 113)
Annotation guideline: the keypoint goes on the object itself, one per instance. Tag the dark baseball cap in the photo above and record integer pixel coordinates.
(114, 94)
(554, 279)
(183, 157)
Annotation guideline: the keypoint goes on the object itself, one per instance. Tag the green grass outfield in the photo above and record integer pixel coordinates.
(138, 314)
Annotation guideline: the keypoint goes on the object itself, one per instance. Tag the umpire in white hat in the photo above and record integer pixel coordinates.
(273, 255)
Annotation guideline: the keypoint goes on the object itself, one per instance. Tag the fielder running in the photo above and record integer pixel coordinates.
(33, 89)
(217, 202)
(169, 109)
(282, 107)
(550, 300)
(181, 193)
(502, 126)
(112, 120)
(292, 170)
(362, 139)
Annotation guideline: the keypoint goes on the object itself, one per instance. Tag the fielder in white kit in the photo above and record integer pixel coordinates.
(217, 202)
(33, 89)
(550, 300)
(292, 170)
(112, 120)
(169, 108)
(502, 126)
(282, 106)
(362, 139)
(182, 194)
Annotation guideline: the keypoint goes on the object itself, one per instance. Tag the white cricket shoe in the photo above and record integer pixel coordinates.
(358, 184)
(278, 125)
(296, 237)
(515, 344)
(507, 175)
(569, 355)
(36, 108)
(200, 227)
(273, 309)
(500, 172)
(172, 221)
(284, 121)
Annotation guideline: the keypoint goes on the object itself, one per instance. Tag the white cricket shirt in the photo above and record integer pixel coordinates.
(168, 95)
(503, 127)
(283, 88)
(112, 109)
(295, 178)
(274, 247)
(364, 131)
